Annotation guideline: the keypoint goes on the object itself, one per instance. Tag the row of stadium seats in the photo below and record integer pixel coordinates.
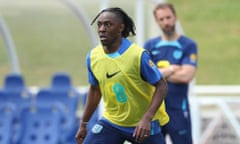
(46, 117)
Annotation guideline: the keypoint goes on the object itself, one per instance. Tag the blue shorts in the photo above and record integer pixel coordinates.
(179, 127)
(104, 133)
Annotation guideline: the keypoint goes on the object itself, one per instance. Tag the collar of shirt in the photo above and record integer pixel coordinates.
(123, 47)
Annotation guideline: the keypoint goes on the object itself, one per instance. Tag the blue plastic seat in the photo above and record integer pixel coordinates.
(61, 81)
(41, 124)
(7, 116)
(61, 90)
(16, 92)
(14, 81)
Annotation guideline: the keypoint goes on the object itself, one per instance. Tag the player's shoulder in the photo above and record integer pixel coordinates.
(153, 39)
(186, 39)
(136, 48)
(150, 43)
(96, 48)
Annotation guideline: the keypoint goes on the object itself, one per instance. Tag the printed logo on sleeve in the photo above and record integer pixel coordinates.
(193, 57)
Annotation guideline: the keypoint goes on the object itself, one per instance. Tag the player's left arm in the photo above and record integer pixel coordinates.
(143, 128)
(185, 72)
(182, 74)
(152, 75)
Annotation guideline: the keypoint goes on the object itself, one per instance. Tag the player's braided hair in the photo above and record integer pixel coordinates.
(127, 21)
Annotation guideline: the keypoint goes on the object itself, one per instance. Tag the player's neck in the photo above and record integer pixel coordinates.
(112, 47)
(171, 37)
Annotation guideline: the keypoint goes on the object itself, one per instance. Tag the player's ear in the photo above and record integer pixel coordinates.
(122, 26)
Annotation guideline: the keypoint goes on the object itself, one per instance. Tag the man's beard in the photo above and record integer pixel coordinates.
(169, 31)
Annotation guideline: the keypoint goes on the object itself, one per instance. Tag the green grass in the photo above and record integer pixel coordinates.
(49, 38)
(215, 26)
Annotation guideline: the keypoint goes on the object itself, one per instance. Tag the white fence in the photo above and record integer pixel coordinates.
(215, 103)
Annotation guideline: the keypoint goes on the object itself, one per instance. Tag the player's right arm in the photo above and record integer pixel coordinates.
(93, 99)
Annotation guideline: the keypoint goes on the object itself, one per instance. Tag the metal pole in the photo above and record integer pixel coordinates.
(10, 46)
(104, 4)
(139, 13)
(83, 18)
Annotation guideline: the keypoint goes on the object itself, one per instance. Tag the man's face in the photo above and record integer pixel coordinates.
(166, 20)
(110, 28)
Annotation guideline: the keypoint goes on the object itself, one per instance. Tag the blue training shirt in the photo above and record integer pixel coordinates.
(183, 52)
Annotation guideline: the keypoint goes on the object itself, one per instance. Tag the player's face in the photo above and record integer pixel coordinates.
(166, 20)
(110, 29)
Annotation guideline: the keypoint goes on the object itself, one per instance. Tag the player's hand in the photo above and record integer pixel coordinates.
(175, 67)
(142, 130)
(81, 134)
